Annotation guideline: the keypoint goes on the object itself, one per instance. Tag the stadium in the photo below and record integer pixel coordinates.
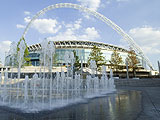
(82, 48)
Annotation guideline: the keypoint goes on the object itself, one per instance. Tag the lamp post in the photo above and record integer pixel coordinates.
(81, 66)
(126, 61)
(159, 67)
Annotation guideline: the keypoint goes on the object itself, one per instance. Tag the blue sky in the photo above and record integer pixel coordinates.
(139, 18)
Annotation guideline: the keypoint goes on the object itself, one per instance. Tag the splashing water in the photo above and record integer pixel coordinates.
(46, 90)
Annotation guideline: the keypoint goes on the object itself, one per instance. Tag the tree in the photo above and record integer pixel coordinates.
(133, 61)
(26, 60)
(77, 64)
(116, 60)
(97, 56)
(55, 59)
(12, 58)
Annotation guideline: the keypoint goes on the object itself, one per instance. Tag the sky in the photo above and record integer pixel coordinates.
(138, 18)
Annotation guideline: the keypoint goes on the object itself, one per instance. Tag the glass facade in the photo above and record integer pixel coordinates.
(34, 58)
(84, 54)
(80, 52)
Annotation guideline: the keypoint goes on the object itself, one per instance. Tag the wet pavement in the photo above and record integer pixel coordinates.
(128, 103)
(123, 105)
(150, 102)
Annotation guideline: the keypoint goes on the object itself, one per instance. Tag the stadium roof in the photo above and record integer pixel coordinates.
(78, 44)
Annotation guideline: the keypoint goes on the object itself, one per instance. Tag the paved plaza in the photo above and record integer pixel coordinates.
(150, 102)
(128, 103)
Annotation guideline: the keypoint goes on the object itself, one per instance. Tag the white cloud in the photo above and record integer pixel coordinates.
(75, 26)
(148, 38)
(20, 26)
(89, 33)
(92, 4)
(27, 13)
(67, 35)
(4, 47)
(46, 25)
(27, 19)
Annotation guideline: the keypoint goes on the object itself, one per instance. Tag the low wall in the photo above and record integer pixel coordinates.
(150, 82)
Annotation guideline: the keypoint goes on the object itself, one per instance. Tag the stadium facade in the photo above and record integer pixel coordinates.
(82, 48)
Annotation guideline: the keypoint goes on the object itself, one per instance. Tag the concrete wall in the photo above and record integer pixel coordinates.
(138, 82)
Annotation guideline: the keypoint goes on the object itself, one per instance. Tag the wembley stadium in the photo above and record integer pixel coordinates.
(82, 48)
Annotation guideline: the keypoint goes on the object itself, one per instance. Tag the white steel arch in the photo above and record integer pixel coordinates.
(130, 40)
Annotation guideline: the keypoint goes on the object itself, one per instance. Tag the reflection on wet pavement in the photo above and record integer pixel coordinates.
(125, 105)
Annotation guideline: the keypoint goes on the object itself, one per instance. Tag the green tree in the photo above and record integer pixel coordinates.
(116, 60)
(27, 59)
(133, 61)
(77, 64)
(97, 56)
(55, 60)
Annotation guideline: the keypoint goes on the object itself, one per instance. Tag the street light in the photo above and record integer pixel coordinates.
(126, 61)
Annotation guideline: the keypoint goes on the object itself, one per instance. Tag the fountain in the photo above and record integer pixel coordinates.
(47, 90)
